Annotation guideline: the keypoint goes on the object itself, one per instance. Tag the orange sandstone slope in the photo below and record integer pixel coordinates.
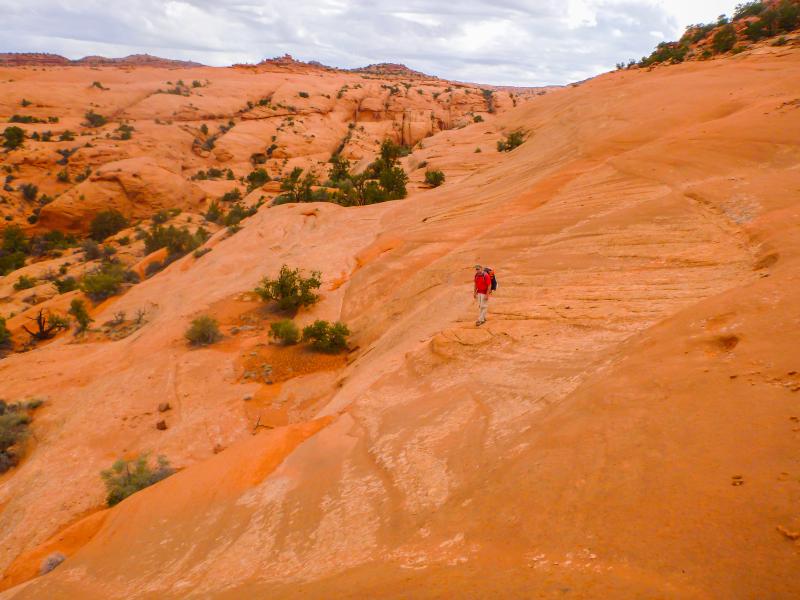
(640, 360)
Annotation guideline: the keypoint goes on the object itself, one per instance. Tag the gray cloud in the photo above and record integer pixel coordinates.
(498, 42)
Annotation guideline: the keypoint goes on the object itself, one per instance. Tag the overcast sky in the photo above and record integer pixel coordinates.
(512, 42)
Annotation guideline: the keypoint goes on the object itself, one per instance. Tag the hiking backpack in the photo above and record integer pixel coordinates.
(494, 279)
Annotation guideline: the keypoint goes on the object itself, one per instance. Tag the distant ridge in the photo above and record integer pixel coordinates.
(25, 59)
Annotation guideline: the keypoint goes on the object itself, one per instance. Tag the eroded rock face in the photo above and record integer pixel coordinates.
(137, 187)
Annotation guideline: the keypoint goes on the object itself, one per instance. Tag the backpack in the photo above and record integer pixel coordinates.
(494, 279)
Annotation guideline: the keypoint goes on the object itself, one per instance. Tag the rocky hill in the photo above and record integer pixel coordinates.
(625, 425)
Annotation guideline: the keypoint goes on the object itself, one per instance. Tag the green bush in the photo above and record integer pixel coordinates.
(256, 179)
(103, 282)
(285, 331)
(748, 9)
(290, 290)
(94, 119)
(5, 334)
(11, 261)
(434, 178)
(178, 242)
(303, 94)
(214, 212)
(78, 310)
(106, 223)
(513, 140)
(327, 337)
(299, 186)
(203, 331)
(29, 191)
(725, 39)
(126, 477)
(65, 285)
(25, 283)
(14, 422)
(477, 119)
(13, 137)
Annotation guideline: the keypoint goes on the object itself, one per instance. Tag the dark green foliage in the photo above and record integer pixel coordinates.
(670, 52)
(513, 140)
(477, 119)
(65, 285)
(91, 251)
(748, 9)
(290, 290)
(25, 283)
(178, 242)
(29, 191)
(66, 136)
(11, 261)
(5, 334)
(393, 182)
(285, 331)
(488, 95)
(434, 178)
(256, 179)
(78, 310)
(14, 248)
(160, 217)
(725, 39)
(303, 94)
(327, 337)
(203, 331)
(94, 119)
(25, 119)
(106, 223)
(340, 168)
(126, 477)
(104, 281)
(125, 131)
(233, 196)
(63, 176)
(13, 137)
(14, 422)
(214, 212)
(299, 186)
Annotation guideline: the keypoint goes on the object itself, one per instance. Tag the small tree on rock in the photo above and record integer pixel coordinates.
(290, 290)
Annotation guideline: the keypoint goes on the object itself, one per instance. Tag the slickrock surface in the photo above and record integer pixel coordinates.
(640, 356)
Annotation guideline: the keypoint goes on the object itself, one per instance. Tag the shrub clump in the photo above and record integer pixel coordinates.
(14, 422)
(290, 290)
(434, 178)
(78, 310)
(106, 223)
(126, 477)
(327, 337)
(25, 283)
(13, 137)
(104, 281)
(5, 334)
(285, 331)
(94, 119)
(513, 140)
(203, 331)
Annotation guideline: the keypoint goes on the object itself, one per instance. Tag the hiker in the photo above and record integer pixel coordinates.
(481, 292)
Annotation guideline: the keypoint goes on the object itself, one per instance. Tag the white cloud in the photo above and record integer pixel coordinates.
(523, 42)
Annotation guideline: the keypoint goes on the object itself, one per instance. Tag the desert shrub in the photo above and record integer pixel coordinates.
(11, 261)
(214, 212)
(13, 137)
(725, 39)
(160, 217)
(477, 119)
(94, 119)
(78, 310)
(63, 176)
(178, 242)
(434, 178)
(667, 52)
(5, 334)
(104, 281)
(14, 422)
(513, 140)
(50, 562)
(126, 477)
(106, 223)
(340, 168)
(125, 131)
(65, 285)
(25, 119)
(25, 283)
(29, 191)
(285, 331)
(83, 175)
(154, 267)
(393, 182)
(290, 290)
(91, 251)
(303, 94)
(299, 187)
(256, 179)
(203, 331)
(748, 9)
(327, 337)
(66, 136)
(233, 196)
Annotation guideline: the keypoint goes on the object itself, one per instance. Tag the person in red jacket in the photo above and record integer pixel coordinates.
(481, 292)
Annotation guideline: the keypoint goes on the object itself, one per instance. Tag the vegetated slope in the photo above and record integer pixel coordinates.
(624, 425)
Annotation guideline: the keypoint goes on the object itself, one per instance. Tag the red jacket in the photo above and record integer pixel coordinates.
(483, 283)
